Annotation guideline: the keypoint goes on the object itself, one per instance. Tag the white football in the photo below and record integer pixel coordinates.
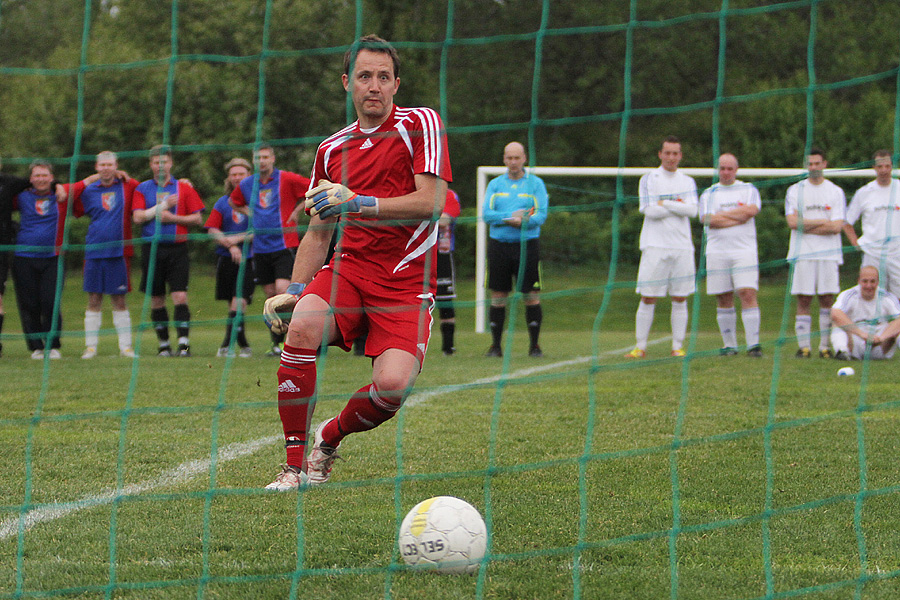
(444, 533)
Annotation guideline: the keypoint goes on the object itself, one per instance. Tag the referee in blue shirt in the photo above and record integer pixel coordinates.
(515, 208)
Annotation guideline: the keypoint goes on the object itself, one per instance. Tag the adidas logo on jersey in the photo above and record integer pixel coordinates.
(366, 144)
(288, 386)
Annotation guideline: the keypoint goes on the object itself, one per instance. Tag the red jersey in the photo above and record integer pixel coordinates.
(383, 163)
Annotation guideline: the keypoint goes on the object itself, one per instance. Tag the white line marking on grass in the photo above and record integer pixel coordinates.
(446, 389)
(180, 474)
(192, 468)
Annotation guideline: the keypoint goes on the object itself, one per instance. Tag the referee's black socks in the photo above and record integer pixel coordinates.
(497, 317)
(533, 316)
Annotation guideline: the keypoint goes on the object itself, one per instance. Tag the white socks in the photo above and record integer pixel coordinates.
(824, 326)
(643, 321)
(727, 320)
(679, 324)
(803, 329)
(92, 322)
(122, 323)
(751, 320)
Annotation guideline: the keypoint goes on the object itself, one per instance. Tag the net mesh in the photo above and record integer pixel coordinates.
(184, 101)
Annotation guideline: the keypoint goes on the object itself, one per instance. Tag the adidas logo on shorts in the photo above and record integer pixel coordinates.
(288, 386)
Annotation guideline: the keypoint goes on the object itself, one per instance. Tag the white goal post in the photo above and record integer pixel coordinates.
(484, 172)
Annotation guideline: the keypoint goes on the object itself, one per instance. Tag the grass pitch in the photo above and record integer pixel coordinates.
(599, 477)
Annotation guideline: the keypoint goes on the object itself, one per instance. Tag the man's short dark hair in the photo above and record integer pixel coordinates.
(670, 139)
(267, 147)
(883, 153)
(814, 151)
(375, 44)
(160, 150)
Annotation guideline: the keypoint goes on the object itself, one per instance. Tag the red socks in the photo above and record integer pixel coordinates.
(364, 411)
(296, 387)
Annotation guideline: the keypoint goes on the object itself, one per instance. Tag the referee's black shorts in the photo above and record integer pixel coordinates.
(504, 261)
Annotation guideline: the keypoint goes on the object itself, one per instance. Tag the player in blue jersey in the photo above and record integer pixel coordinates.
(272, 195)
(106, 199)
(515, 207)
(36, 261)
(166, 208)
(228, 227)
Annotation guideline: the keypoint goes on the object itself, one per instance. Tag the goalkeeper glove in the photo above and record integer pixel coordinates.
(333, 199)
(281, 304)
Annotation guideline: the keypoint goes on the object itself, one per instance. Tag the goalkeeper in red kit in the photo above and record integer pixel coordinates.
(383, 180)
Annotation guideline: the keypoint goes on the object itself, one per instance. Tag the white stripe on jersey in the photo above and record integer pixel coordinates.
(330, 144)
(431, 136)
(422, 248)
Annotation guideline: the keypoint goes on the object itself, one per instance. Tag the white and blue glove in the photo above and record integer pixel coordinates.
(333, 199)
(280, 305)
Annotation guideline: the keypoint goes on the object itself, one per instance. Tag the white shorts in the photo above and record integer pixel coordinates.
(855, 346)
(890, 279)
(815, 277)
(727, 273)
(666, 272)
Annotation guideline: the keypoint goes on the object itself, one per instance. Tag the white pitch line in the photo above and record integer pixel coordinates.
(192, 468)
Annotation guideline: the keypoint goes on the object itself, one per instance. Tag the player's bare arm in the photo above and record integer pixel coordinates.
(850, 232)
(313, 249)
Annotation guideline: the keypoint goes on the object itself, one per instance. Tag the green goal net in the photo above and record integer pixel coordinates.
(597, 476)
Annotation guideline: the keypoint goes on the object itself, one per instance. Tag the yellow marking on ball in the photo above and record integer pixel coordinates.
(421, 519)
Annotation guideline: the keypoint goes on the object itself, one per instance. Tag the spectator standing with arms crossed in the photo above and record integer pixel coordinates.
(516, 206)
(272, 195)
(166, 208)
(729, 209)
(814, 209)
(668, 200)
(391, 165)
(10, 187)
(228, 227)
(878, 205)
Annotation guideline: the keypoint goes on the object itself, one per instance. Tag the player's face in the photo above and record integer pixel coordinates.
(815, 164)
(883, 167)
(868, 283)
(727, 170)
(372, 86)
(236, 174)
(514, 158)
(41, 177)
(106, 169)
(161, 167)
(670, 156)
(265, 159)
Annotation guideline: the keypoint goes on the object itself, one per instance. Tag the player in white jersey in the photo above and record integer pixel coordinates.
(729, 209)
(865, 317)
(878, 205)
(814, 209)
(668, 199)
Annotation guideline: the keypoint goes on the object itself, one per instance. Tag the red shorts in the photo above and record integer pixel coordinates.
(393, 318)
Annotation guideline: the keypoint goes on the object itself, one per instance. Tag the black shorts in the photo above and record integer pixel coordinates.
(503, 265)
(274, 265)
(5, 259)
(226, 279)
(172, 267)
(446, 277)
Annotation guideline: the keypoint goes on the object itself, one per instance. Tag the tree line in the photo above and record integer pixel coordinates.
(579, 83)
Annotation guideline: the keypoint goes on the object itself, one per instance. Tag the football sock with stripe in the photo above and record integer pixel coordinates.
(296, 386)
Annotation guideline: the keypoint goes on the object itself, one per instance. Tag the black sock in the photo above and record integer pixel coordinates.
(182, 320)
(533, 316)
(447, 330)
(239, 325)
(497, 316)
(160, 318)
(277, 338)
(229, 324)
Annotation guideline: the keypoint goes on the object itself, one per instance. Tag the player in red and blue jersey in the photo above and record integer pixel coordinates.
(229, 228)
(272, 195)
(382, 181)
(166, 208)
(446, 271)
(36, 261)
(106, 199)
